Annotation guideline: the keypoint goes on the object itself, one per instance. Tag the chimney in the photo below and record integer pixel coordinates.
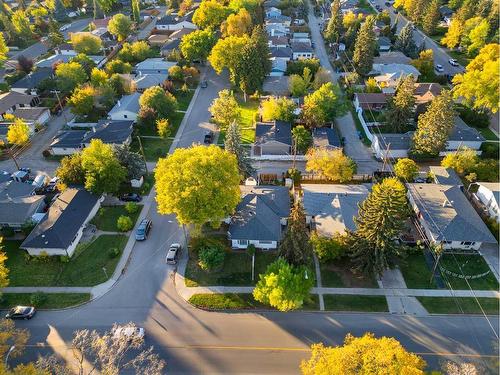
(272, 196)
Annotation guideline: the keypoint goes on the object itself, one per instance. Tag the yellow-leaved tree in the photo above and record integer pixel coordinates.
(18, 133)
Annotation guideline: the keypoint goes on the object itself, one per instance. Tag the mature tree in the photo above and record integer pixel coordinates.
(197, 45)
(406, 169)
(330, 164)
(69, 75)
(135, 52)
(237, 24)
(199, 184)
(98, 77)
(434, 126)
(225, 109)
(365, 47)
(118, 66)
(295, 247)
(363, 355)
(4, 50)
(328, 249)
(477, 37)
(22, 25)
(18, 133)
(24, 369)
(334, 29)
(321, 77)
(381, 219)
(82, 100)
(431, 17)
(371, 86)
(463, 161)
(416, 9)
(302, 138)
(405, 42)
(120, 26)
(322, 105)
(232, 144)
(10, 336)
(425, 65)
(299, 85)
(479, 84)
(106, 353)
(25, 64)
(103, 172)
(454, 33)
(131, 161)
(210, 14)
(227, 53)
(136, 11)
(4, 271)
(281, 108)
(70, 171)
(399, 116)
(86, 62)
(105, 5)
(120, 85)
(163, 102)
(284, 286)
(86, 43)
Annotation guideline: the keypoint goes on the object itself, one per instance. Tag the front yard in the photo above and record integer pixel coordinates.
(339, 275)
(154, 148)
(469, 265)
(416, 272)
(247, 121)
(49, 300)
(462, 305)
(338, 302)
(107, 216)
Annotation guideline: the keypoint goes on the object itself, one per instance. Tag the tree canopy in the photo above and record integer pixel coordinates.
(120, 26)
(225, 109)
(331, 164)
(210, 14)
(69, 75)
(18, 132)
(281, 108)
(399, 117)
(295, 247)
(406, 169)
(365, 47)
(163, 102)
(322, 105)
(86, 43)
(237, 24)
(197, 45)
(232, 144)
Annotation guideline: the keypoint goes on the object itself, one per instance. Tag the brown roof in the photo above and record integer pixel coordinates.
(103, 22)
(279, 40)
(178, 34)
(371, 98)
(425, 92)
(30, 114)
(12, 98)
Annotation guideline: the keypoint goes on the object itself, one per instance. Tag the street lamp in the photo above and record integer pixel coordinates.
(11, 349)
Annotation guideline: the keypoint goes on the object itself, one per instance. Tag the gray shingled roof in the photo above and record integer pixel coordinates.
(69, 139)
(397, 141)
(278, 131)
(445, 176)
(463, 132)
(326, 137)
(449, 214)
(33, 79)
(259, 213)
(19, 210)
(111, 132)
(13, 189)
(281, 52)
(63, 220)
(127, 103)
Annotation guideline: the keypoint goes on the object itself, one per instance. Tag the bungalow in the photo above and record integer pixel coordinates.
(276, 29)
(384, 44)
(331, 209)
(59, 232)
(67, 142)
(29, 84)
(14, 212)
(393, 57)
(399, 144)
(33, 115)
(178, 34)
(272, 12)
(12, 100)
(278, 42)
(144, 81)
(425, 93)
(276, 85)
(446, 14)
(158, 39)
(461, 136)
(260, 217)
(302, 51)
(326, 138)
(171, 22)
(489, 195)
(106, 37)
(447, 217)
(370, 101)
(66, 49)
(126, 108)
(153, 65)
(389, 75)
(273, 138)
(278, 68)
(51, 60)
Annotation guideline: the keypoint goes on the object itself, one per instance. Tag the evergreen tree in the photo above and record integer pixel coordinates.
(136, 11)
(417, 9)
(232, 144)
(365, 46)
(401, 105)
(335, 26)
(431, 17)
(405, 42)
(381, 219)
(295, 247)
(434, 126)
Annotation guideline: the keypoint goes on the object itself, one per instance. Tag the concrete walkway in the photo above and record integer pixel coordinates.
(318, 282)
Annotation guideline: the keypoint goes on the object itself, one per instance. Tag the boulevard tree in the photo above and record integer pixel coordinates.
(321, 106)
(226, 54)
(232, 144)
(431, 17)
(330, 164)
(365, 47)
(210, 14)
(163, 102)
(225, 109)
(196, 46)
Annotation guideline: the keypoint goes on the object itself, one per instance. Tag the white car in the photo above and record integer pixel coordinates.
(453, 62)
(172, 253)
(64, 27)
(130, 332)
(439, 68)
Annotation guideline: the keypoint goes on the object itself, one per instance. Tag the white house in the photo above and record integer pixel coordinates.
(489, 194)
(154, 65)
(462, 136)
(126, 108)
(12, 100)
(302, 51)
(172, 22)
(33, 115)
(388, 76)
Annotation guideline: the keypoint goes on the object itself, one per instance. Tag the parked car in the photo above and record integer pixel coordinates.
(378, 7)
(439, 68)
(131, 197)
(21, 312)
(64, 27)
(143, 229)
(129, 332)
(204, 84)
(209, 137)
(173, 253)
(453, 62)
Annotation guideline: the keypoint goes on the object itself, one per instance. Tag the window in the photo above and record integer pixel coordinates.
(125, 116)
(243, 242)
(265, 242)
(467, 243)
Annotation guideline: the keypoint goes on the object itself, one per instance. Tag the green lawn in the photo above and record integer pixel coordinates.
(470, 265)
(52, 300)
(416, 273)
(247, 136)
(460, 57)
(339, 275)
(468, 305)
(183, 99)
(107, 216)
(488, 134)
(240, 301)
(344, 302)
(154, 148)
(248, 111)
(84, 269)
(359, 127)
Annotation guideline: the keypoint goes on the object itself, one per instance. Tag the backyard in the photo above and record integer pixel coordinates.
(107, 216)
(247, 121)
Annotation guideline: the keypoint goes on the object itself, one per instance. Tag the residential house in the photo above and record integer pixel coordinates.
(370, 101)
(172, 22)
(489, 195)
(285, 20)
(281, 53)
(154, 65)
(278, 42)
(393, 57)
(271, 3)
(260, 218)
(33, 115)
(100, 23)
(326, 138)
(29, 84)
(424, 94)
(279, 58)
(67, 142)
(66, 49)
(158, 39)
(178, 34)
(276, 85)
(275, 28)
(273, 138)
(126, 108)
(389, 75)
(446, 14)
(331, 209)
(59, 232)
(447, 217)
(59, 58)
(384, 44)
(106, 37)
(444, 176)
(144, 81)
(462, 136)
(170, 46)
(302, 51)
(278, 68)
(272, 12)
(399, 144)
(12, 100)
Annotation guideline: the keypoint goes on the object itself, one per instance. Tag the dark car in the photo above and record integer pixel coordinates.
(378, 7)
(143, 230)
(131, 197)
(204, 84)
(209, 137)
(21, 312)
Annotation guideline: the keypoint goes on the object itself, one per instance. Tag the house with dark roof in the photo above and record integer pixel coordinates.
(370, 101)
(260, 218)
(12, 100)
(171, 22)
(59, 232)
(277, 41)
(283, 53)
(153, 65)
(399, 144)
(393, 57)
(447, 218)
(384, 44)
(29, 84)
(302, 51)
(33, 115)
(67, 142)
(170, 46)
(142, 82)
(126, 108)
(424, 94)
(463, 135)
(272, 138)
(326, 138)
(444, 176)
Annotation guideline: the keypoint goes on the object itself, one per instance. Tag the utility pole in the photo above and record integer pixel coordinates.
(11, 154)
(142, 153)
(386, 156)
(60, 104)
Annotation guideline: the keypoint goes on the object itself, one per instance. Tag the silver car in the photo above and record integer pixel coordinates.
(173, 253)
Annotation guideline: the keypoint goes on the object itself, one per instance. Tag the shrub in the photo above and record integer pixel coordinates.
(38, 298)
(64, 259)
(474, 117)
(124, 223)
(7, 231)
(113, 252)
(328, 249)
(251, 250)
(44, 257)
(212, 256)
(131, 207)
(490, 150)
(27, 227)
(27, 257)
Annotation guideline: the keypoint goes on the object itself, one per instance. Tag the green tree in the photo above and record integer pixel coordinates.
(479, 84)
(210, 14)
(69, 75)
(281, 108)
(330, 164)
(334, 29)
(371, 86)
(406, 169)
(4, 50)
(329, 249)
(225, 109)
(284, 286)
(399, 116)
(10, 336)
(22, 25)
(163, 127)
(120, 26)
(18, 133)
(199, 184)
(227, 54)
(124, 223)
(82, 100)
(381, 219)
(133, 162)
(232, 144)
(477, 37)
(197, 45)
(86, 62)
(136, 11)
(405, 42)
(434, 126)
(321, 77)
(55, 38)
(322, 105)
(106, 5)
(454, 33)
(297, 85)
(416, 9)
(365, 47)
(431, 17)
(103, 172)
(302, 138)
(86, 43)
(211, 256)
(425, 65)
(70, 171)
(4, 271)
(164, 103)
(135, 52)
(237, 24)
(118, 66)
(295, 247)
(363, 355)
(463, 161)
(98, 77)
